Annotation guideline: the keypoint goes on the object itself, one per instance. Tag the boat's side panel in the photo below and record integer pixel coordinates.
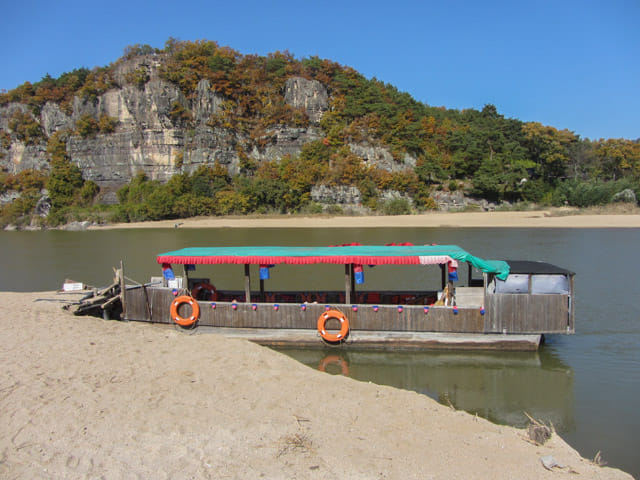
(525, 313)
(505, 313)
(154, 305)
(149, 305)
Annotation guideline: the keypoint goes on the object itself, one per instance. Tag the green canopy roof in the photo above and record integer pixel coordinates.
(356, 254)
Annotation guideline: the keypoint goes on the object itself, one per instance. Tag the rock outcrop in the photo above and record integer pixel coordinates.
(150, 137)
(308, 94)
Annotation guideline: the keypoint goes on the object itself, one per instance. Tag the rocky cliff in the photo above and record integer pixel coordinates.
(148, 136)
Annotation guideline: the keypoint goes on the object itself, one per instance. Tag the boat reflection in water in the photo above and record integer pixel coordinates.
(500, 387)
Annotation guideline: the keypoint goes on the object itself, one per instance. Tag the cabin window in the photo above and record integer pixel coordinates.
(515, 283)
(541, 284)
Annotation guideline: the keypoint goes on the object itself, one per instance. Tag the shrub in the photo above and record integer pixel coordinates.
(107, 124)
(397, 206)
(88, 192)
(87, 126)
(138, 77)
(179, 115)
(334, 210)
(25, 127)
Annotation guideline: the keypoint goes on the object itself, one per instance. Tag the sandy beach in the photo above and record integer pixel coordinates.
(558, 218)
(82, 397)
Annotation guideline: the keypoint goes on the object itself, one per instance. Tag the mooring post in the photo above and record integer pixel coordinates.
(123, 294)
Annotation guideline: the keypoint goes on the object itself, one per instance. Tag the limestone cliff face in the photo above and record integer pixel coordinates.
(17, 155)
(149, 138)
(308, 94)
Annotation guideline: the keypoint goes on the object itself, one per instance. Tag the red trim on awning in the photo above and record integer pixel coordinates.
(256, 260)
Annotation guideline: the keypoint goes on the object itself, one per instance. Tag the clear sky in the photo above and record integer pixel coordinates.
(571, 64)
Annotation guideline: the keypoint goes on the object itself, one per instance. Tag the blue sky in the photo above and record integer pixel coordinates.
(569, 64)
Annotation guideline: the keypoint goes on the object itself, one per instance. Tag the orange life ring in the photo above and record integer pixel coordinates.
(344, 326)
(206, 287)
(195, 311)
(334, 360)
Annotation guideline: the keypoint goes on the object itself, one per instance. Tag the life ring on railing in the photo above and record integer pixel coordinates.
(344, 326)
(205, 287)
(195, 311)
(334, 360)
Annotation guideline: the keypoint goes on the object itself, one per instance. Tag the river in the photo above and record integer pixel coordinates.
(587, 384)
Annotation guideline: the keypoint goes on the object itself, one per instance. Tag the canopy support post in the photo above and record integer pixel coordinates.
(347, 283)
(247, 283)
(353, 283)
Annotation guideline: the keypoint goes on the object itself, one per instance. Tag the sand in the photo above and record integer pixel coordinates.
(82, 397)
(559, 218)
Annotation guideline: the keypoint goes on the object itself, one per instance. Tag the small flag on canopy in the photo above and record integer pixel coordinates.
(358, 274)
(453, 272)
(264, 271)
(167, 271)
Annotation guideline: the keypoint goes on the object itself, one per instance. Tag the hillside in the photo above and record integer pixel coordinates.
(199, 129)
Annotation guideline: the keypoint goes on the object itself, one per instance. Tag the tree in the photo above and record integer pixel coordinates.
(64, 183)
(487, 182)
(548, 148)
(618, 157)
(65, 179)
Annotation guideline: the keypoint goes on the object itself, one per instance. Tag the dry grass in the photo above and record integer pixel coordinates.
(618, 208)
(598, 460)
(538, 432)
(296, 443)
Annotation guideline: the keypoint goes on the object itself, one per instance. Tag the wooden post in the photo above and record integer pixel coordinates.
(347, 283)
(572, 306)
(353, 283)
(247, 283)
(123, 292)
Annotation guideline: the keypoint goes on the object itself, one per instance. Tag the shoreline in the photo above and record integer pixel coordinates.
(82, 396)
(521, 219)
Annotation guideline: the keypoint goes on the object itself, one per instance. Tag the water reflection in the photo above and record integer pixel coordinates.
(494, 385)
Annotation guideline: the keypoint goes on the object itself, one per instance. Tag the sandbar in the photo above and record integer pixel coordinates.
(81, 397)
(507, 219)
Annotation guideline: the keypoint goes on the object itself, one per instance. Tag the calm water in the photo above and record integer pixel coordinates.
(587, 384)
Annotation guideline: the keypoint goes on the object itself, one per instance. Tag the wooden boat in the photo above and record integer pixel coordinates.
(510, 306)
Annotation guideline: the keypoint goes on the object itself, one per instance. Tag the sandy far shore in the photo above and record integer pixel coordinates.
(532, 219)
(82, 397)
